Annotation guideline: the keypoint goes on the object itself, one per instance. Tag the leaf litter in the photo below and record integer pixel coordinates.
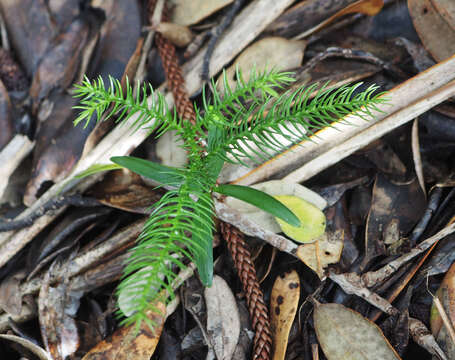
(378, 235)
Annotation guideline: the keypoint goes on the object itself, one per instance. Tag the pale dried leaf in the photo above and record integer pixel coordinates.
(345, 334)
(191, 12)
(223, 321)
(283, 307)
(269, 53)
(177, 34)
(325, 251)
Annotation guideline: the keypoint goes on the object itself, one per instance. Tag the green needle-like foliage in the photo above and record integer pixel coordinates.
(247, 122)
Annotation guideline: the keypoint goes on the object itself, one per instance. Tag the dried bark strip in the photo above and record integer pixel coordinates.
(51, 205)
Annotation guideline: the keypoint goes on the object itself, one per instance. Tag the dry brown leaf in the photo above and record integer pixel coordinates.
(326, 250)
(367, 7)
(269, 53)
(223, 321)
(191, 12)
(128, 344)
(345, 334)
(283, 307)
(437, 36)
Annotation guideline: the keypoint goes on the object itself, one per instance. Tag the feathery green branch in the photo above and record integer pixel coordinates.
(247, 122)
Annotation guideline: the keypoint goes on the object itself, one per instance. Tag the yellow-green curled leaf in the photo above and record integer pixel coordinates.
(312, 220)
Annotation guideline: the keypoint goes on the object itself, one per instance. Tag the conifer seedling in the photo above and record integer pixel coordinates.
(241, 123)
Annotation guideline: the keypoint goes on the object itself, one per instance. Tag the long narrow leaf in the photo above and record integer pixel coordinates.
(261, 200)
(157, 172)
(96, 168)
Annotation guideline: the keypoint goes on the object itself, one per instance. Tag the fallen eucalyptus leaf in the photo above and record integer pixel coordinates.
(345, 334)
(283, 307)
(223, 321)
(312, 220)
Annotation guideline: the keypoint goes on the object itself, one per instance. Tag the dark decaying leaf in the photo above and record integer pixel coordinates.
(29, 345)
(125, 190)
(74, 222)
(404, 203)
(6, 120)
(65, 146)
(30, 28)
(345, 334)
(304, 16)
(59, 66)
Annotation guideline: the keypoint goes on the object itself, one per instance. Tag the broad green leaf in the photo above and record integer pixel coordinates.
(261, 200)
(346, 335)
(160, 173)
(96, 168)
(312, 220)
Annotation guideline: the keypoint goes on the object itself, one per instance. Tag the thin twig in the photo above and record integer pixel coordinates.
(356, 55)
(433, 203)
(51, 205)
(371, 278)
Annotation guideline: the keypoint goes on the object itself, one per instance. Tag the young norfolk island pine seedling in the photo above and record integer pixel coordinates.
(242, 123)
